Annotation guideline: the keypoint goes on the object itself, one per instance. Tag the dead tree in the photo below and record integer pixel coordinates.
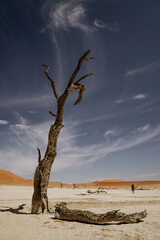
(64, 213)
(42, 172)
(74, 186)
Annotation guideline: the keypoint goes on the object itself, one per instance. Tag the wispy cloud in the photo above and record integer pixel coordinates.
(3, 122)
(144, 128)
(70, 22)
(69, 14)
(113, 27)
(32, 112)
(139, 96)
(73, 155)
(22, 157)
(119, 101)
(73, 14)
(148, 175)
(20, 119)
(111, 132)
(135, 97)
(151, 67)
(42, 100)
(19, 153)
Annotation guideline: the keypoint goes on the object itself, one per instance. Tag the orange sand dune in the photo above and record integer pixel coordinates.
(8, 178)
(127, 184)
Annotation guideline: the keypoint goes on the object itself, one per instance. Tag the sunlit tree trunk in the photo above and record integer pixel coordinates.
(42, 172)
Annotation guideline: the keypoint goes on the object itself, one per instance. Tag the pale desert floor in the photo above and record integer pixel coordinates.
(21, 225)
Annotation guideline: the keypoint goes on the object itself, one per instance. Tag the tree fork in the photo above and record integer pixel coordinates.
(42, 172)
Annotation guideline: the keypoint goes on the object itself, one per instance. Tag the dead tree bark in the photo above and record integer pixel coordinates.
(42, 172)
(63, 213)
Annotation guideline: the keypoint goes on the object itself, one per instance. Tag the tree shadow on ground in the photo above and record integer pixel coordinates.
(98, 224)
(14, 210)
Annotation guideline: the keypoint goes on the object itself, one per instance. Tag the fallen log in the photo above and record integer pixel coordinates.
(100, 190)
(63, 213)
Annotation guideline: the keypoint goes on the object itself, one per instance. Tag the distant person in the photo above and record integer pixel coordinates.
(133, 188)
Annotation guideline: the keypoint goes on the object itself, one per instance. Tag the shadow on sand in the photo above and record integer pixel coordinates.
(14, 210)
(98, 224)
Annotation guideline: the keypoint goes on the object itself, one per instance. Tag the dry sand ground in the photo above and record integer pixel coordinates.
(20, 224)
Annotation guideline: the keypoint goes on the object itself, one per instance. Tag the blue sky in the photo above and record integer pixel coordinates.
(115, 132)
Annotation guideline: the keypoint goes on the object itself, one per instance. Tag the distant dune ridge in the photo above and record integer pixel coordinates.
(8, 178)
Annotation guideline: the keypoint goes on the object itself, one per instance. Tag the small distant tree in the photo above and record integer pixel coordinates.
(74, 185)
(42, 172)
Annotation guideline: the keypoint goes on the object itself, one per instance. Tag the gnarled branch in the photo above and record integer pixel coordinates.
(54, 115)
(81, 89)
(89, 74)
(39, 155)
(62, 212)
(52, 82)
(87, 59)
(78, 68)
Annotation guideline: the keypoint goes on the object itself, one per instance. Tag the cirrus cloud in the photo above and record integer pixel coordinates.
(151, 67)
(70, 153)
(113, 27)
(69, 14)
(139, 96)
(73, 14)
(3, 122)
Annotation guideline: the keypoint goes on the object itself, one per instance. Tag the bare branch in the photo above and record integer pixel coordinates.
(79, 97)
(39, 155)
(89, 74)
(81, 89)
(54, 115)
(52, 82)
(78, 68)
(47, 68)
(87, 59)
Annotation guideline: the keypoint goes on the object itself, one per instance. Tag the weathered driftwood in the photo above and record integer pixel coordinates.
(63, 213)
(100, 190)
(42, 172)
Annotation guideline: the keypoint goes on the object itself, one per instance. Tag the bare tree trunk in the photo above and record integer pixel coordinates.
(42, 172)
(63, 213)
